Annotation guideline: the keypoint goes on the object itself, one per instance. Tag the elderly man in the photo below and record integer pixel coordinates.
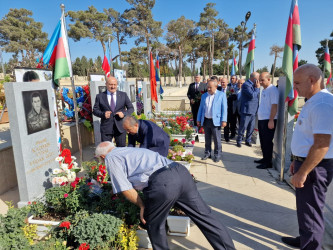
(223, 84)
(267, 115)
(312, 147)
(195, 90)
(112, 106)
(232, 90)
(248, 109)
(213, 115)
(148, 134)
(164, 184)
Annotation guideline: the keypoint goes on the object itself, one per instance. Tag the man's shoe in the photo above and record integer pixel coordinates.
(239, 144)
(232, 136)
(259, 161)
(227, 140)
(248, 144)
(264, 166)
(206, 157)
(291, 241)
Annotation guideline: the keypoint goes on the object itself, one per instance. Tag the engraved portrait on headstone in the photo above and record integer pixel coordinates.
(101, 89)
(132, 93)
(36, 108)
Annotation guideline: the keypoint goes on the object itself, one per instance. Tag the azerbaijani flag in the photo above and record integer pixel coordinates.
(57, 52)
(327, 63)
(250, 56)
(158, 75)
(234, 67)
(106, 66)
(153, 79)
(290, 56)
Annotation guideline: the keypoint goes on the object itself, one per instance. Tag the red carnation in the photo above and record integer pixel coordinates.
(65, 224)
(65, 195)
(175, 140)
(84, 246)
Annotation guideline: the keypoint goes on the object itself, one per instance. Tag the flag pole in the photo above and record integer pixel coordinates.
(111, 66)
(62, 6)
(255, 37)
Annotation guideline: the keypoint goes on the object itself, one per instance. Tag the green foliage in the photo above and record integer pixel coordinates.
(168, 131)
(49, 244)
(30, 232)
(91, 168)
(21, 35)
(143, 117)
(178, 148)
(97, 230)
(37, 209)
(321, 51)
(126, 210)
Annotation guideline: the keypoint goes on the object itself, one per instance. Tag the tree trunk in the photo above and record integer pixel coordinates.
(209, 58)
(104, 49)
(228, 67)
(274, 67)
(180, 65)
(224, 69)
(119, 49)
(212, 56)
(165, 67)
(204, 68)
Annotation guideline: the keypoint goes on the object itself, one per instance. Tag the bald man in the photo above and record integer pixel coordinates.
(112, 106)
(223, 84)
(312, 149)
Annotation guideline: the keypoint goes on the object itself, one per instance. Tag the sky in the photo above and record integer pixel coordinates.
(270, 16)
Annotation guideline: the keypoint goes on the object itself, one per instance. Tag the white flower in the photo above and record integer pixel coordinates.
(64, 179)
(73, 158)
(59, 158)
(72, 176)
(54, 180)
(64, 166)
(75, 165)
(59, 180)
(57, 171)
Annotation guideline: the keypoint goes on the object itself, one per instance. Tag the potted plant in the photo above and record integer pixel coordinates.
(178, 153)
(201, 135)
(178, 223)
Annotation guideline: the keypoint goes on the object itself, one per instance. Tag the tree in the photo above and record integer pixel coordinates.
(209, 24)
(22, 35)
(180, 31)
(89, 24)
(240, 35)
(321, 51)
(137, 63)
(275, 50)
(263, 69)
(302, 62)
(140, 23)
(118, 26)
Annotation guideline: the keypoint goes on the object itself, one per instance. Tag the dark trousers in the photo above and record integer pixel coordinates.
(175, 185)
(231, 125)
(195, 109)
(310, 201)
(212, 131)
(266, 137)
(246, 123)
(120, 138)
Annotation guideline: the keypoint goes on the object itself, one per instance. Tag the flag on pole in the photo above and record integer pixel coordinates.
(106, 66)
(290, 56)
(57, 52)
(158, 75)
(235, 63)
(234, 67)
(153, 79)
(250, 56)
(327, 63)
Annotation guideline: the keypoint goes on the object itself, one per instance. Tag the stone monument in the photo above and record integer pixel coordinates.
(146, 98)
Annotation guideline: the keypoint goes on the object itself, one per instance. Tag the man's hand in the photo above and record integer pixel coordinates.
(108, 114)
(257, 84)
(298, 179)
(120, 114)
(142, 211)
(199, 124)
(291, 168)
(223, 124)
(271, 124)
(192, 101)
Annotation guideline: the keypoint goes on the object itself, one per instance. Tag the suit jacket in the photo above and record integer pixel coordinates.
(192, 93)
(150, 136)
(232, 98)
(249, 98)
(123, 104)
(219, 108)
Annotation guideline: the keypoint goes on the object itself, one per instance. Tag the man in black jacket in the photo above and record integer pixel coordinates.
(232, 91)
(148, 134)
(112, 106)
(195, 90)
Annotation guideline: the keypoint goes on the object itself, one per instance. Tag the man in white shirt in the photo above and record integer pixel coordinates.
(312, 148)
(267, 115)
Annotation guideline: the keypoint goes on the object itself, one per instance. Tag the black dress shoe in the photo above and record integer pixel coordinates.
(291, 241)
(248, 144)
(227, 140)
(259, 161)
(264, 166)
(216, 160)
(206, 157)
(232, 136)
(239, 144)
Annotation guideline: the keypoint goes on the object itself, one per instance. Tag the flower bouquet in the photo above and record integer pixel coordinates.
(67, 168)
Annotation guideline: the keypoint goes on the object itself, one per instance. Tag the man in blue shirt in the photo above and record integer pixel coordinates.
(148, 134)
(164, 183)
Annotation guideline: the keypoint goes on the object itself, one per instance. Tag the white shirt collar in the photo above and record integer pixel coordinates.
(109, 93)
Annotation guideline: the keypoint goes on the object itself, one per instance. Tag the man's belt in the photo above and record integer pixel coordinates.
(302, 159)
(173, 164)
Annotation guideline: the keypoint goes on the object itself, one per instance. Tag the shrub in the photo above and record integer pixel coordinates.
(37, 209)
(97, 230)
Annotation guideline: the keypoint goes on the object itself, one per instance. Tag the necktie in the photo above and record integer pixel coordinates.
(113, 105)
(196, 87)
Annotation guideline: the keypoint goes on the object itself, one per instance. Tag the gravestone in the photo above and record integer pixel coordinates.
(33, 133)
(96, 87)
(158, 105)
(131, 93)
(146, 98)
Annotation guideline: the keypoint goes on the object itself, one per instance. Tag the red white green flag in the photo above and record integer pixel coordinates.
(153, 79)
(290, 56)
(250, 56)
(327, 63)
(57, 52)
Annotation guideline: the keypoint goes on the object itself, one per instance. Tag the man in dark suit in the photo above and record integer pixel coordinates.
(112, 106)
(148, 134)
(195, 90)
(248, 109)
(232, 91)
